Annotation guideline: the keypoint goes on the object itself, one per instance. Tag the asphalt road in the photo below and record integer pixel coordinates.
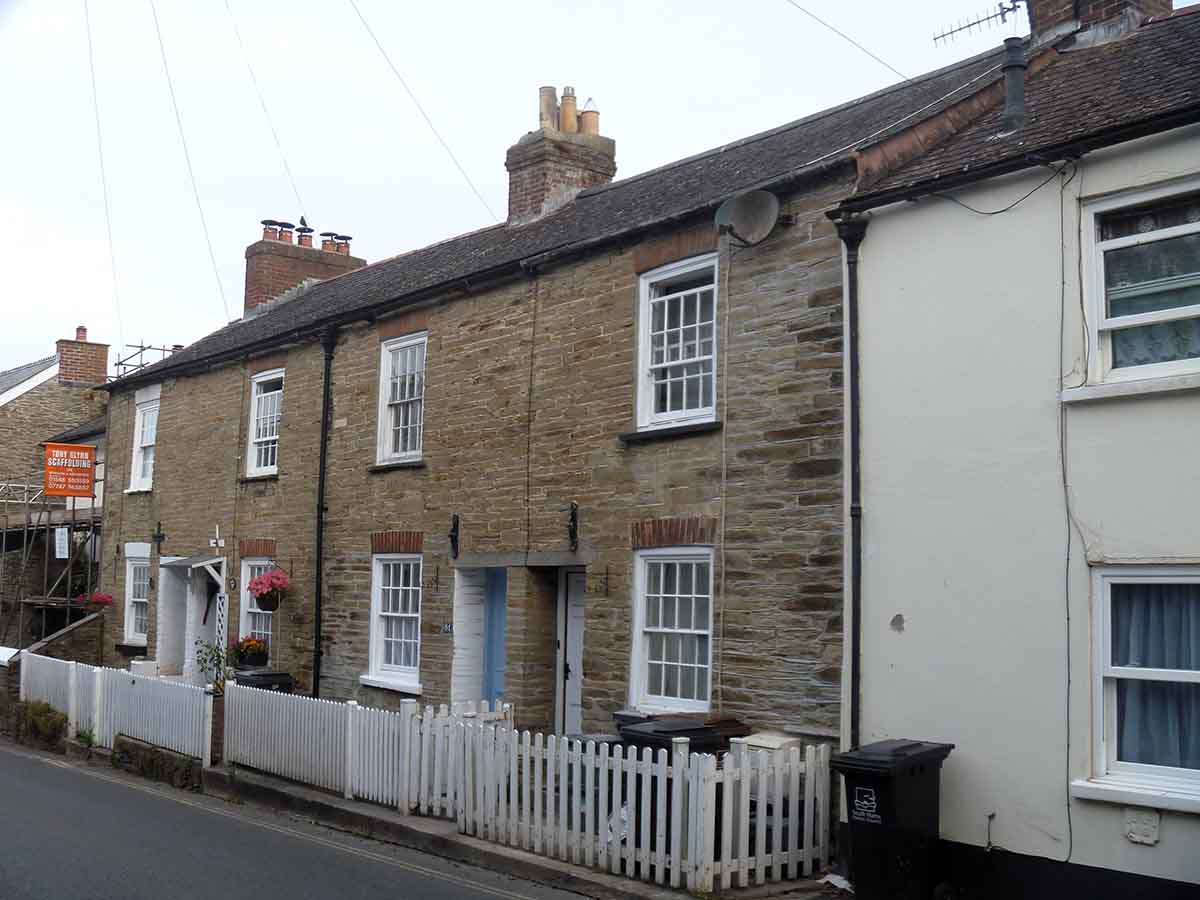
(72, 833)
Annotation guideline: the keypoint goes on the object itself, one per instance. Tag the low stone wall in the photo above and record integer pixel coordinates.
(156, 763)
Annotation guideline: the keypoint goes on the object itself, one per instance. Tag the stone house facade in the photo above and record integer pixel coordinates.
(59, 392)
(47, 396)
(587, 461)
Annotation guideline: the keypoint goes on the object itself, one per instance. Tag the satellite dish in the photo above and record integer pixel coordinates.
(749, 217)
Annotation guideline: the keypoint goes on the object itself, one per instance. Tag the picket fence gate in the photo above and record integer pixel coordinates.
(672, 817)
(108, 702)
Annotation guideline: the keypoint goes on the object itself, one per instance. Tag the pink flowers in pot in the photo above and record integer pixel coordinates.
(268, 589)
(94, 601)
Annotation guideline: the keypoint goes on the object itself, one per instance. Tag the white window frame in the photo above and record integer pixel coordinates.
(1100, 324)
(383, 451)
(638, 666)
(647, 418)
(248, 604)
(146, 401)
(132, 636)
(1165, 787)
(391, 677)
(253, 470)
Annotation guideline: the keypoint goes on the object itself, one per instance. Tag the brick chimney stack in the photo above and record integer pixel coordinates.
(274, 264)
(1066, 16)
(548, 167)
(80, 361)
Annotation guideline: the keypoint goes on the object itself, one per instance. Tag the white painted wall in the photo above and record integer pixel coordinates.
(965, 529)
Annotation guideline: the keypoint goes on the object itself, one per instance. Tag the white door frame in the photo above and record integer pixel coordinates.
(560, 653)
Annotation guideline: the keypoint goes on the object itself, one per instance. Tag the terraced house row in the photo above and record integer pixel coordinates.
(611, 460)
(587, 461)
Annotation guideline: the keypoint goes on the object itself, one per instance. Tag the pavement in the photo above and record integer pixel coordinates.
(72, 832)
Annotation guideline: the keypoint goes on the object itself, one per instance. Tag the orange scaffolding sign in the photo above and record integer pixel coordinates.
(70, 470)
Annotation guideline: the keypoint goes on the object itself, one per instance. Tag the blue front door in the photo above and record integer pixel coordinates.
(495, 610)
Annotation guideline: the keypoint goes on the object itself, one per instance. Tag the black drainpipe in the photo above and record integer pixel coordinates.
(329, 343)
(852, 230)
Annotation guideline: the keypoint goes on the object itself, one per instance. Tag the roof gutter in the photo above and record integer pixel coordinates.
(511, 271)
(1188, 115)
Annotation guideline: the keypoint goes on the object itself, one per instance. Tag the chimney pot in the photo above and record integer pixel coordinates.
(568, 118)
(589, 122)
(81, 332)
(548, 108)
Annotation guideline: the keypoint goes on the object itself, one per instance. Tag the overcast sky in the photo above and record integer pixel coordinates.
(670, 78)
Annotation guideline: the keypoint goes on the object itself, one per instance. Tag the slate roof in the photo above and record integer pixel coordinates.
(90, 428)
(1086, 92)
(676, 191)
(12, 377)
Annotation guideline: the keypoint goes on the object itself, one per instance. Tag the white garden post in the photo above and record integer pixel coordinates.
(72, 701)
(408, 709)
(97, 701)
(351, 708)
(679, 789)
(208, 725)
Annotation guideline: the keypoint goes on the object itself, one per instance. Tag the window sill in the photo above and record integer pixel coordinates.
(398, 464)
(645, 435)
(403, 685)
(672, 709)
(1166, 793)
(257, 479)
(139, 490)
(1116, 389)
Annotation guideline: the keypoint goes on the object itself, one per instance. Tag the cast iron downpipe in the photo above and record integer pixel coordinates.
(852, 230)
(329, 343)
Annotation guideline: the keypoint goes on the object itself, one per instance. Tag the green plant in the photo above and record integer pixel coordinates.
(42, 723)
(85, 737)
(215, 664)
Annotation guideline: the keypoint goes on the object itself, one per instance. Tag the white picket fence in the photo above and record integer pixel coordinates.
(358, 751)
(672, 817)
(108, 702)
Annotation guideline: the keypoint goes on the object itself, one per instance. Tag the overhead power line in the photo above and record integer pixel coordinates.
(112, 253)
(421, 110)
(263, 102)
(188, 159)
(847, 38)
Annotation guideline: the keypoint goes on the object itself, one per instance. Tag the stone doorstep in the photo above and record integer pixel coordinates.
(440, 837)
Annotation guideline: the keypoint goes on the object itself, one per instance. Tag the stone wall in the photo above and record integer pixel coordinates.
(528, 388)
(28, 420)
(82, 641)
(199, 485)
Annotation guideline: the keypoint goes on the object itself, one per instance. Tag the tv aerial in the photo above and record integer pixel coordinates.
(986, 20)
(748, 217)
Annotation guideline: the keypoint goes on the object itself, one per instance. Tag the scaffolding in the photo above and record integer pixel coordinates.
(29, 524)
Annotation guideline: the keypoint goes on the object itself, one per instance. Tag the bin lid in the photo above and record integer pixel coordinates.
(260, 675)
(886, 757)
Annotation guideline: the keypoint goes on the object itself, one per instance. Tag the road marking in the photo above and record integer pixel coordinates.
(291, 832)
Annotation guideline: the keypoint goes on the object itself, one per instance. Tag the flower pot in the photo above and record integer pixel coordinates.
(252, 660)
(267, 602)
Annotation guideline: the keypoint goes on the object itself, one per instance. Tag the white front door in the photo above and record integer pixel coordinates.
(570, 658)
